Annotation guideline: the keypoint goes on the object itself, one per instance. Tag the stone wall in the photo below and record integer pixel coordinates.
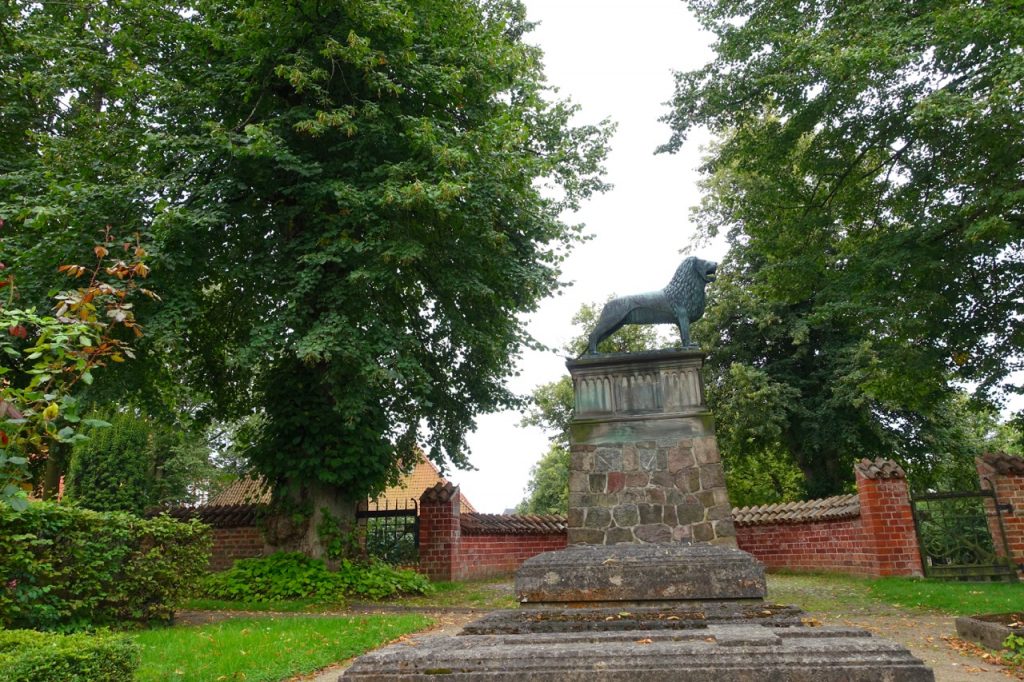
(868, 534)
(644, 465)
(461, 546)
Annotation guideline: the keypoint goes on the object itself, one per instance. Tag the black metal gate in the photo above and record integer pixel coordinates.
(391, 532)
(961, 535)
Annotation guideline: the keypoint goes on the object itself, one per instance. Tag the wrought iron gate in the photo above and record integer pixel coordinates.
(391, 533)
(961, 536)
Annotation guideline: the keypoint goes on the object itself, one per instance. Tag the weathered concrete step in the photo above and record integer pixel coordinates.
(593, 575)
(739, 653)
(679, 616)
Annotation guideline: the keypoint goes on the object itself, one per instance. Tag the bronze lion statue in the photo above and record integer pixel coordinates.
(680, 303)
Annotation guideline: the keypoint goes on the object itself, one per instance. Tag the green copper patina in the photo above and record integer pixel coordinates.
(680, 303)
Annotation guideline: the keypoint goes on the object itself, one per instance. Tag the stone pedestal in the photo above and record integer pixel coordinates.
(645, 464)
(655, 591)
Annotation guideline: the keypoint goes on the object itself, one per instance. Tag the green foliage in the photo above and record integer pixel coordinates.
(31, 656)
(864, 181)
(365, 184)
(46, 359)
(548, 489)
(1015, 645)
(64, 568)
(290, 575)
(265, 649)
(135, 465)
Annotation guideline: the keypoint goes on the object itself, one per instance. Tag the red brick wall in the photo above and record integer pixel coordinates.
(235, 543)
(830, 546)
(447, 554)
(1009, 489)
(483, 556)
(881, 541)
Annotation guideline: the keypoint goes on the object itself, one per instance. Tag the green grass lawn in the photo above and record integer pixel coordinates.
(264, 649)
(848, 595)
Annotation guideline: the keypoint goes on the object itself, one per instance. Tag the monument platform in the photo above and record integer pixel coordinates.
(652, 586)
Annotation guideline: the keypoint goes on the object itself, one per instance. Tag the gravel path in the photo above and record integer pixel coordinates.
(932, 638)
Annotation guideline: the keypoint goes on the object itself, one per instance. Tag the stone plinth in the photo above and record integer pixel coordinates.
(645, 466)
(738, 652)
(638, 574)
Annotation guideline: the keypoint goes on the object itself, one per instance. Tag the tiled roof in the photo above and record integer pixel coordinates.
(826, 509)
(475, 523)
(1007, 465)
(245, 490)
(248, 490)
(412, 485)
(222, 516)
(880, 468)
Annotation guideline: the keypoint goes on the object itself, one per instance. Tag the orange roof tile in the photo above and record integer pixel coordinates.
(247, 490)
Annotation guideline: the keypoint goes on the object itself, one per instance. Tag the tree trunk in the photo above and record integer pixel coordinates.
(326, 529)
(56, 464)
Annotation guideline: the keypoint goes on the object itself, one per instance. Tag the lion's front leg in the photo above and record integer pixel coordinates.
(684, 329)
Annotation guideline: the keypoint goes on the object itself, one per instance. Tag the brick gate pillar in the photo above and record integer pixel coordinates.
(440, 531)
(887, 517)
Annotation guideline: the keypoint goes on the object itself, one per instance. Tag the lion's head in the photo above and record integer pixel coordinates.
(686, 290)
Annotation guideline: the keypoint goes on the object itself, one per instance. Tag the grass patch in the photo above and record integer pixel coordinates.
(263, 649)
(838, 594)
(957, 598)
(279, 606)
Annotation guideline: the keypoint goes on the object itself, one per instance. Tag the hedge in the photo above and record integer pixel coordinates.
(31, 656)
(64, 568)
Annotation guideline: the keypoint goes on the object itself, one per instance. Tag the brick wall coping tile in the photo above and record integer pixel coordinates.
(440, 492)
(1004, 464)
(475, 523)
(824, 509)
(222, 516)
(879, 469)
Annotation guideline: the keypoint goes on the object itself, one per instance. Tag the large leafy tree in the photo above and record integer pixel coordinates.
(353, 202)
(868, 177)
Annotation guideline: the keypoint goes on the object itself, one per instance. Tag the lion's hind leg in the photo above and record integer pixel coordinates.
(613, 317)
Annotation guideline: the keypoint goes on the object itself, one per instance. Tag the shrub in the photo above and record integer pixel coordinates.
(290, 575)
(63, 568)
(1014, 645)
(135, 464)
(30, 656)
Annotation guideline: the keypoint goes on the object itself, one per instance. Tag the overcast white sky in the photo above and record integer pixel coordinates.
(615, 59)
